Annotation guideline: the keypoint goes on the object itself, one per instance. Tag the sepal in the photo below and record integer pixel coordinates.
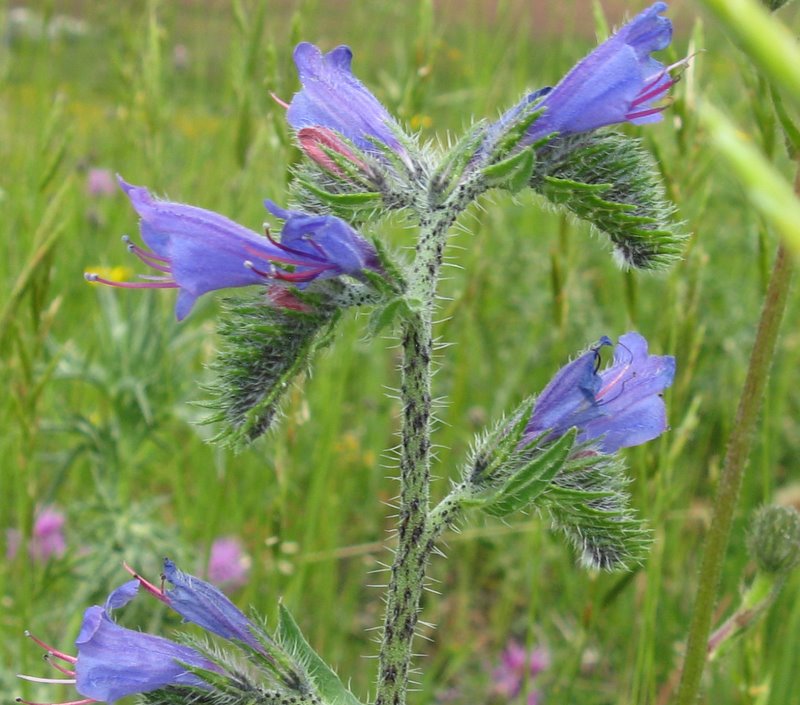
(532, 478)
(327, 682)
(452, 169)
(610, 181)
(511, 174)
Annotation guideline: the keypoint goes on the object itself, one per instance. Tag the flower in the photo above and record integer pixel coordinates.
(100, 182)
(331, 97)
(228, 564)
(618, 82)
(517, 665)
(113, 662)
(198, 251)
(618, 407)
(47, 538)
(314, 141)
(203, 604)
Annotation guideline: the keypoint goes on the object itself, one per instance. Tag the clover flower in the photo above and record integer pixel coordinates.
(331, 97)
(197, 251)
(228, 564)
(618, 407)
(113, 661)
(617, 82)
(47, 538)
(517, 665)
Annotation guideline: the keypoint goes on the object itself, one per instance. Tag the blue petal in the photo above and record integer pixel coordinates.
(203, 604)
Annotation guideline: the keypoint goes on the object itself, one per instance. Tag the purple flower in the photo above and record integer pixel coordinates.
(517, 665)
(618, 82)
(100, 182)
(228, 564)
(47, 539)
(619, 407)
(197, 251)
(113, 662)
(203, 604)
(332, 97)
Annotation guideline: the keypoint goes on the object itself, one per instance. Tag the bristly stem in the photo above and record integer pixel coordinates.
(733, 470)
(414, 542)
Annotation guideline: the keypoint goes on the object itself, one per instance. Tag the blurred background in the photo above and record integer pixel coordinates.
(100, 458)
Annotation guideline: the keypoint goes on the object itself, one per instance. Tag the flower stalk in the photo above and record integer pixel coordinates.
(733, 469)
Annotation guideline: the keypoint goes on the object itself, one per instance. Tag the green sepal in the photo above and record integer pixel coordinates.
(328, 684)
(385, 315)
(492, 452)
(532, 478)
(515, 132)
(358, 201)
(791, 132)
(512, 174)
(448, 174)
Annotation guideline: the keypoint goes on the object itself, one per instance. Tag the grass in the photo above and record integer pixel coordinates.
(97, 382)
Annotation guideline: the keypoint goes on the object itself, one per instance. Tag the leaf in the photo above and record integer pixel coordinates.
(329, 685)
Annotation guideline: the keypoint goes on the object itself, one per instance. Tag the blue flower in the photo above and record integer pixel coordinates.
(197, 251)
(113, 662)
(203, 604)
(618, 407)
(332, 97)
(618, 82)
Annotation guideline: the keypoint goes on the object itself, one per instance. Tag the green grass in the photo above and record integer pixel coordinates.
(95, 415)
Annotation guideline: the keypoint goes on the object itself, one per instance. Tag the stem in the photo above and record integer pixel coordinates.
(415, 543)
(733, 470)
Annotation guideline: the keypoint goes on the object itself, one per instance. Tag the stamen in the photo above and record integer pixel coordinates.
(50, 650)
(132, 246)
(55, 681)
(96, 278)
(645, 113)
(291, 250)
(267, 275)
(280, 102)
(660, 88)
(147, 585)
(58, 666)
(302, 276)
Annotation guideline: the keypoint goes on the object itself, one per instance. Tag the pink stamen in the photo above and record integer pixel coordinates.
(147, 585)
(59, 667)
(165, 284)
(645, 113)
(280, 102)
(303, 276)
(133, 247)
(50, 650)
(653, 92)
(150, 259)
(612, 382)
(261, 273)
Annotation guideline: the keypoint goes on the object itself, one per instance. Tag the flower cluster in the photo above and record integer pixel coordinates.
(113, 662)
(517, 668)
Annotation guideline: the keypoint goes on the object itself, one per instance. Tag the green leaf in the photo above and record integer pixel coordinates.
(610, 181)
(533, 478)
(330, 687)
(512, 174)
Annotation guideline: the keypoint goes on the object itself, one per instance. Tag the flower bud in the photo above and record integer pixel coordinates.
(774, 539)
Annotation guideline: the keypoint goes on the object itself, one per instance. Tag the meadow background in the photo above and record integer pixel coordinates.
(94, 411)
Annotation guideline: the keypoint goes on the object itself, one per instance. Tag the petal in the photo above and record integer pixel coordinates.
(638, 423)
(203, 604)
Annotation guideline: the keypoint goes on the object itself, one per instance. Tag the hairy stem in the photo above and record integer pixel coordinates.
(733, 471)
(414, 542)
